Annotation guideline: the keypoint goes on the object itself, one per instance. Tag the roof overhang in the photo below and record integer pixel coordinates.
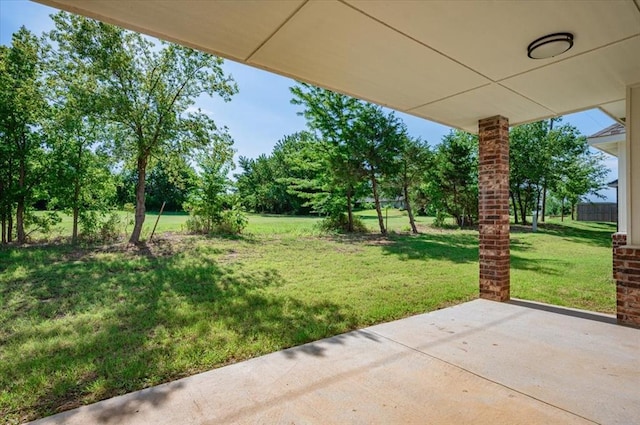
(449, 62)
(608, 139)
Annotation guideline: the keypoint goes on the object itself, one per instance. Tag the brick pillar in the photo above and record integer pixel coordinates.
(493, 188)
(617, 240)
(627, 275)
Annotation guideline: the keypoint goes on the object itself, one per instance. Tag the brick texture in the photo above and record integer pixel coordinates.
(617, 240)
(493, 188)
(626, 271)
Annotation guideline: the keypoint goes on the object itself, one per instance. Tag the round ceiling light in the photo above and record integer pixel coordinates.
(550, 45)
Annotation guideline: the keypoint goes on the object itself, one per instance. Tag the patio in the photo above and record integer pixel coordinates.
(480, 362)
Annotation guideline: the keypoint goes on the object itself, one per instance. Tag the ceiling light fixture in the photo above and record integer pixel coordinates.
(550, 45)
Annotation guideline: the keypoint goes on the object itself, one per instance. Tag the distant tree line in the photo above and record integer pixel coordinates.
(94, 117)
(354, 151)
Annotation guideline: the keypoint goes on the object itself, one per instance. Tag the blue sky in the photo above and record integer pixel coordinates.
(261, 113)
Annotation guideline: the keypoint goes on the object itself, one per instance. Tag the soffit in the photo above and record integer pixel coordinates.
(491, 37)
(351, 53)
(616, 110)
(471, 106)
(224, 28)
(594, 78)
(446, 61)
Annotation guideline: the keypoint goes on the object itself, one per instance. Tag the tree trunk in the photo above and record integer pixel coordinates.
(544, 201)
(74, 233)
(537, 204)
(573, 210)
(3, 219)
(10, 226)
(515, 207)
(376, 200)
(3, 214)
(562, 210)
(20, 233)
(140, 208)
(407, 205)
(523, 210)
(349, 212)
(21, 236)
(76, 197)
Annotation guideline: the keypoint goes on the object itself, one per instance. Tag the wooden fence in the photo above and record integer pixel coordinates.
(598, 211)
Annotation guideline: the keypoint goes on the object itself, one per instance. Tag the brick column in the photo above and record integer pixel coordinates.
(493, 189)
(627, 275)
(617, 240)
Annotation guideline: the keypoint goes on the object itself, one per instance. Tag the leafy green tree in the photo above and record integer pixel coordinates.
(170, 182)
(146, 91)
(317, 185)
(363, 142)
(529, 164)
(264, 185)
(548, 156)
(414, 160)
(80, 180)
(332, 115)
(452, 180)
(22, 106)
(582, 174)
(378, 144)
(209, 199)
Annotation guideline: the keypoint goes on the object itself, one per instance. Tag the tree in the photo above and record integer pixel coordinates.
(414, 160)
(332, 116)
(364, 141)
(169, 183)
(264, 183)
(79, 169)
(207, 201)
(582, 174)
(22, 106)
(145, 90)
(547, 157)
(530, 156)
(453, 177)
(378, 141)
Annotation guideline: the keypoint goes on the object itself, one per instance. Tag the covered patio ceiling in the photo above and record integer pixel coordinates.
(449, 62)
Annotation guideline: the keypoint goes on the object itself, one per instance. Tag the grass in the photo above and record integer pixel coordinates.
(83, 324)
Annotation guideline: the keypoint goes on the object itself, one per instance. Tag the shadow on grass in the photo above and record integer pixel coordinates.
(597, 234)
(78, 326)
(546, 266)
(455, 247)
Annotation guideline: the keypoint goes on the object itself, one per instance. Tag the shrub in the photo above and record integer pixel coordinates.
(100, 228)
(440, 218)
(230, 221)
(340, 224)
(42, 223)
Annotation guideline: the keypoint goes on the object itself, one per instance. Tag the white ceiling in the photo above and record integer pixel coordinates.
(453, 62)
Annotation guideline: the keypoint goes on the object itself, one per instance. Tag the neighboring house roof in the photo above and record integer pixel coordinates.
(607, 139)
(613, 183)
(612, 130)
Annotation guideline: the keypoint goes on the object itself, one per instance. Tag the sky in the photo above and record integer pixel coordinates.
(261, 113)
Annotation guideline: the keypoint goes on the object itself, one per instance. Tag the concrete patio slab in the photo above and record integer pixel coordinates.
(481, 362)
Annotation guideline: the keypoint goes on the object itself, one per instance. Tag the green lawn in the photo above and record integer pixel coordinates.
(82, 324)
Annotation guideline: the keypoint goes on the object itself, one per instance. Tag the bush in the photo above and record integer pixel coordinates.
(440, 218)
(340, 224)
(42, 223)
(231, 221)
(100, 228)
